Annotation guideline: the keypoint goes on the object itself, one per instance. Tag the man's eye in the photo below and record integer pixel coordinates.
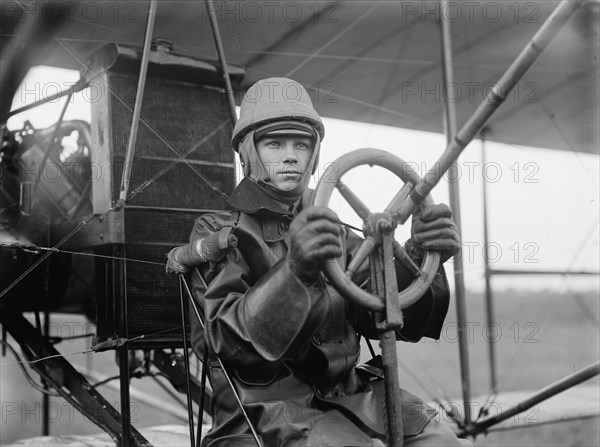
(273, 144)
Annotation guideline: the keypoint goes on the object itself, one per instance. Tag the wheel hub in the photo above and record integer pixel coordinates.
(377, 224)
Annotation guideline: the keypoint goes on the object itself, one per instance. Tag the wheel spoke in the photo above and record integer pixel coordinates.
(365, 249)
(406, 260)
(399, 198)
(357, 205)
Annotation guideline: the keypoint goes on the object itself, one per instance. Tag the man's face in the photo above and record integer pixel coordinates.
(286, 158)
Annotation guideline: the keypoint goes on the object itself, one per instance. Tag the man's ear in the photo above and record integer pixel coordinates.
(245, 166)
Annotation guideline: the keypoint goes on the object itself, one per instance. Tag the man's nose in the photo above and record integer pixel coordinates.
(289, 154)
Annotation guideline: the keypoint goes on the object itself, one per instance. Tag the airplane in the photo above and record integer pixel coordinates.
(166, 77)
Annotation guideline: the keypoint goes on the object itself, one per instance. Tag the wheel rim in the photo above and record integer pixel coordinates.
(329, 182)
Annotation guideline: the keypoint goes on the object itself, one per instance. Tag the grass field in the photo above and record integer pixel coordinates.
(539, 338)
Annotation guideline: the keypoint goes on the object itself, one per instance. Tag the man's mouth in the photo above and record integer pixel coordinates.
(290, 173)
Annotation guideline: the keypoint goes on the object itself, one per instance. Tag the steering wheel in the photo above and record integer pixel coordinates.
(376, 227)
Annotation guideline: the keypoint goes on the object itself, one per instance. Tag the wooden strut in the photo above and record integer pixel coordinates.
(214, 26)
(450, 125)
(137, 109)
(55, 370)
(549, 391)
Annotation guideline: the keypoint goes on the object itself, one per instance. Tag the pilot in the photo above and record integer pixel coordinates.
(288, 339)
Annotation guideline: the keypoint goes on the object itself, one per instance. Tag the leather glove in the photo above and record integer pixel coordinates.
(174, 264)
(434, 230)
(315, 237)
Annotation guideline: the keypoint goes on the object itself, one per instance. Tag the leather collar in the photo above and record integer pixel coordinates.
(249, 198)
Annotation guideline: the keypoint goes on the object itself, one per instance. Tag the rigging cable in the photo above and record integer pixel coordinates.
(117, 343)
(333, 39)
(21, 363)
(34, 248)
(79, 226)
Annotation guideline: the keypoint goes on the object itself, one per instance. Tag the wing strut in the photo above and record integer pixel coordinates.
(489, 301)
(214, 26)
(450, 127)
(125, 180)
(137, 109)
(574, 379)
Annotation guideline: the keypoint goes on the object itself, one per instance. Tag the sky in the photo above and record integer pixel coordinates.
(543, 205)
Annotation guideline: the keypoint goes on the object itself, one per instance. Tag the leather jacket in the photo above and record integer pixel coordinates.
(292, 349)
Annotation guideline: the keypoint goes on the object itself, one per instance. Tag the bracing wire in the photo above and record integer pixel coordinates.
(151, 128)
(22, 364)
(167, 168)
(333, 39)
(79, 226)
(35, 248)
(87, 351)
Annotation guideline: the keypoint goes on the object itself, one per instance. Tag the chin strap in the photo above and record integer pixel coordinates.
(255, 170)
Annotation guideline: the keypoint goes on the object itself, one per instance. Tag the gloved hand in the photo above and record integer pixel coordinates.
(315, 237)
(174, 264)
(434, 230)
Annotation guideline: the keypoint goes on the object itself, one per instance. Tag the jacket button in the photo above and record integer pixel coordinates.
(284, 224)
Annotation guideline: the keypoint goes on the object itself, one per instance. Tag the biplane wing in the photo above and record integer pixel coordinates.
(377, 62)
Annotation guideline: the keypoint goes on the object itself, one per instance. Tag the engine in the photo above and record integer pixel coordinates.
(45, 181)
